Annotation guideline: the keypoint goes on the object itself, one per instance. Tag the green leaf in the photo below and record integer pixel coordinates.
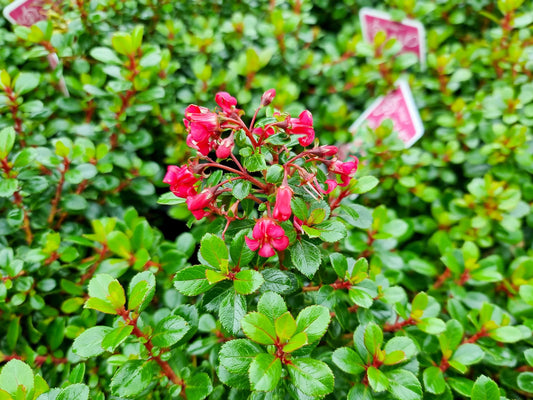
(254, 163)
(241, 189)
(8, 187)
(274, 173)
(115, 337)
(236, 355)
(248, 281)
(272, 305)
(485, 389)
(7, 140)
(259, 328)
(198, 387)
(122, 43)
(169, 331)
(434, 380)
(214, 276)
(299, 208)
(285, 326)
(295, 342)
(312, 377)
(468, 354)
(232, 310)
(119, 244)
(433, 326)
(26, 82)
(525, 381)
(348, 360)
(240, 253)
(77, 391)
(117, 298)
(132, 378)
(213, 250)
(404, 385)
(506, 334)
(360, 392)
(170, 199)
(89, 343)
(360, 297)
(265, 372)
(99, 293)
(377, 379)
(141, 290)
(365, 184)
(462, 386)
(373, 338)
(331, 231)
(528, 354)
(17, 376)
(105, 55)
(403, 343)
(314, 321)
(339, 264)
(305, 256)
(191, 281)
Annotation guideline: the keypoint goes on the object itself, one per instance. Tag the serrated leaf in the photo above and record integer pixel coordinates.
(314, 321)
(348, 360)
(259, 328)
(191, 281)
(198, 387)
(241, 189)
(232, 310)
(265, 372)
(17, 376)
(247, 281)
(295, 342)
(485, 389)
(169, 331)
(434, 380)
(89, 343)
(272, 305)
(404, 385)
(132, 378)
(305, 257)
(285, 326)
(115, 337)
(312, 377)
(377, 379)
(141, 290)
(78, 391)
(236, 355)
(213, 250)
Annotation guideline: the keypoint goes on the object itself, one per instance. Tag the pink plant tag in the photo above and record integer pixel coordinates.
(398, 106)
(28, 13)
(410, 33)
(25, 12)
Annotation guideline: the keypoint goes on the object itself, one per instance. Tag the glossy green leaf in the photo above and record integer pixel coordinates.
(265, 372)
(312, 377)
(314, 321)
(169, 331)
(259, 328)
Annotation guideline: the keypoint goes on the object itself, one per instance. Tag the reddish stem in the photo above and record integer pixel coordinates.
(59, 190)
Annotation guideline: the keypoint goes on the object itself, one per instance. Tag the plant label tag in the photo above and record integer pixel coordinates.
(399, 106)
(28, 13)
(25, 12)
(409, 32)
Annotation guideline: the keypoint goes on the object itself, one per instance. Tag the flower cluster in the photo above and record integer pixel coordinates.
(290, 168)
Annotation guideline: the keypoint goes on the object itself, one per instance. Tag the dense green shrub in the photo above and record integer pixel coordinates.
(420, 287)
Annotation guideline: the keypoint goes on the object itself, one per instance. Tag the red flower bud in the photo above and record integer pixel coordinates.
(181, 181)
(226, 102)
(198, 202)
(282, 208)
(225, 147)
(267, 237)
(303, 125)
(203, 128)
(268, 96)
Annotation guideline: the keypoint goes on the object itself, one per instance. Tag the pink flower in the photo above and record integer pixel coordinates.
(203, 128)
(181, 181)
(324, 151)
(282, 208)
(346, 170)
(268, 96)
(303, 125)
(198, 202)
(225, 147)
(226, 102)
(262, 133)
(267, 237)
